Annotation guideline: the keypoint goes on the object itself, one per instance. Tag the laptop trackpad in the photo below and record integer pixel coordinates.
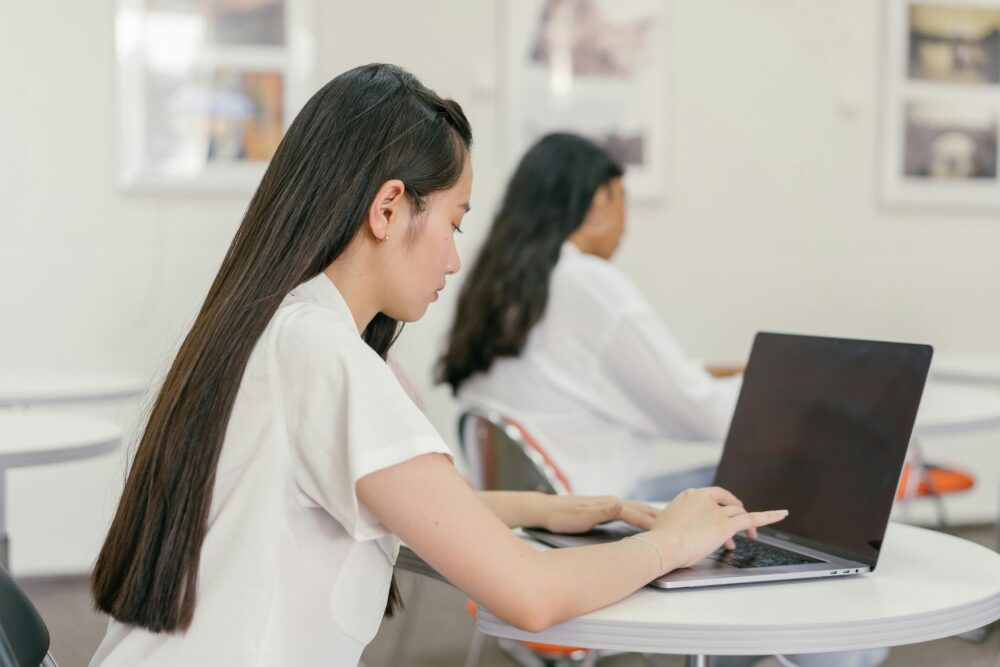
(706, 564)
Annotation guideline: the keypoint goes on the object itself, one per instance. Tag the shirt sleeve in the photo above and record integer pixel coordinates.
(346, 416)
(673, 395)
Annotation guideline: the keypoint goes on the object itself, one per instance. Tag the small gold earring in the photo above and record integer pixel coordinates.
(383, 239)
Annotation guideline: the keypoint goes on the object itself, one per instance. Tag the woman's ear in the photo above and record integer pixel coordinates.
(602, 197)
(386, 207)
(595, 222)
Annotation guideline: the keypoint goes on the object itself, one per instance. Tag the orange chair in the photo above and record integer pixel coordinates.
(933, 480)
(548, 653)
(920, 479)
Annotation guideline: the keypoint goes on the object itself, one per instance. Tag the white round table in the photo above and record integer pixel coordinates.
(966, 367)
(37, 437)
(952, 407)
(32, 389)
(927, 585)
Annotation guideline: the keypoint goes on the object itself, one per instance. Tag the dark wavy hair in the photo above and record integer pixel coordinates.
(369, 125)
(507, 288)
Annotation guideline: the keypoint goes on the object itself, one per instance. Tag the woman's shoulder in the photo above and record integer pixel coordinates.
(314, 335)
(596, 279)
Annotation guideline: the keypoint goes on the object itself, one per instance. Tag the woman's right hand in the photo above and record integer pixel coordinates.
(699, 521)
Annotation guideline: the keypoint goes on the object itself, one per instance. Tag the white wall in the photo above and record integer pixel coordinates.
(771, 218)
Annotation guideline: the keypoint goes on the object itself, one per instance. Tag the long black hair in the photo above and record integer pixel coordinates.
(507, 288)
(365, 127)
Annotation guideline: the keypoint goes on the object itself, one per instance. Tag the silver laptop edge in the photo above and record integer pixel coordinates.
(708, 572)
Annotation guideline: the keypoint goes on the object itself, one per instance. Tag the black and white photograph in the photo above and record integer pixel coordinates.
(946, 141)
(941, 104)
(954, 43)
(596, 67)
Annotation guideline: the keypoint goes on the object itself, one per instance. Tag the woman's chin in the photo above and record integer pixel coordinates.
(411, 314)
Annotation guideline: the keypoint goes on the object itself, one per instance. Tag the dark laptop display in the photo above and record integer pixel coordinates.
(821, 428)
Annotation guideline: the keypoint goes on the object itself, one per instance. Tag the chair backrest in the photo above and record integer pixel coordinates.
(503, 457)
(24, 639)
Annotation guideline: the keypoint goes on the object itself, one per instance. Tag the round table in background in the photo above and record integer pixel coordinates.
(955, 407)
(21, 389)
(966, 367)
(36, 437)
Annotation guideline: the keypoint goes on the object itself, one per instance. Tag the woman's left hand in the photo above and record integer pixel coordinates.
(578, 514)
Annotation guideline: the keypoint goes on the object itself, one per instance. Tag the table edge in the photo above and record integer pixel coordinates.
(755, 639)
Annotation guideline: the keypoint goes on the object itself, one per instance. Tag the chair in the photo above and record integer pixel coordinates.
(24, 639)
(920, 479)
(503, 457)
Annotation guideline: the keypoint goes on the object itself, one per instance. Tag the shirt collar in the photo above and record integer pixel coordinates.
(322, 292)
(568, 248)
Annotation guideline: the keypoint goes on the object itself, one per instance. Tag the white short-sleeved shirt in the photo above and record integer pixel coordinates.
(294, 570)
(601, 378)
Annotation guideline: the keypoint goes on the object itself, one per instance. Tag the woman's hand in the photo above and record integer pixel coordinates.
(578, 514)
(699, 521)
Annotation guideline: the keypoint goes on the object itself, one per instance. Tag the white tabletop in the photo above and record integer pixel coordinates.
(966, 367)
(927, 585)
(37, 437)
(26, 389)
(949, 407)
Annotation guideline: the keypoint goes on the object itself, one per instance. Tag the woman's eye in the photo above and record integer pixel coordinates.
(457, 229)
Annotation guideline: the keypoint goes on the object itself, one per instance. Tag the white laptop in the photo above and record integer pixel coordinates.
(821, 428)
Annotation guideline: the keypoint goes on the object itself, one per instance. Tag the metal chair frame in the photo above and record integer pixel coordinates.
(548, 472)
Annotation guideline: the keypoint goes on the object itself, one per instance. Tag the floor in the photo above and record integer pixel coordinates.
(440, 631)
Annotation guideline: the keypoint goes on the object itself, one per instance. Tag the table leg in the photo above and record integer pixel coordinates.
(4, 552)
(699, 661)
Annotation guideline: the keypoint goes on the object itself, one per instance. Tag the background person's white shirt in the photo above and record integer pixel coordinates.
(601, 380)
(294, 571)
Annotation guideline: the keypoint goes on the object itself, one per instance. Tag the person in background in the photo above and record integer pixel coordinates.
(553, 335)
(283, 462)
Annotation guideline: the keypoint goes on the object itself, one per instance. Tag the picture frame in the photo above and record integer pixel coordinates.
(942, 104)
(206, 90)
(592, 67)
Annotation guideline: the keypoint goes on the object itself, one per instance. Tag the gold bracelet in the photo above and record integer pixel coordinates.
(651, 546)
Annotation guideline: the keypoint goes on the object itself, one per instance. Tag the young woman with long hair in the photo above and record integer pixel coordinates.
(282, 461)
(552, 334)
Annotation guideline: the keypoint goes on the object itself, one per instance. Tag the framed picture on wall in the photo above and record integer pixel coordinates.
(942, 103)
(206, 89)
(593, 67)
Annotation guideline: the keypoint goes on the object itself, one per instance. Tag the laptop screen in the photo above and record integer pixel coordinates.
(821, 428)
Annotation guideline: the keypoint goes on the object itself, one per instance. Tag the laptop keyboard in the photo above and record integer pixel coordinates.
(752, 553)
